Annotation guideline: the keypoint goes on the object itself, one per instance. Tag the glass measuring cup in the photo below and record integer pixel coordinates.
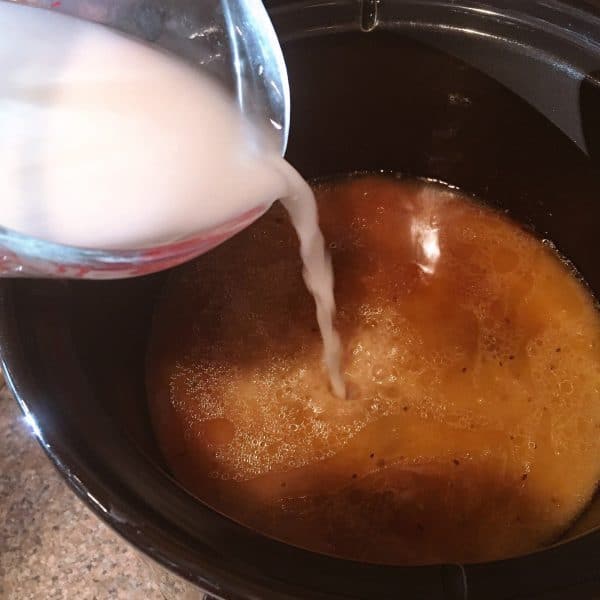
(235, 42)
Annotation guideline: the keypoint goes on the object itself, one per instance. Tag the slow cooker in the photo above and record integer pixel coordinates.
(502, 100)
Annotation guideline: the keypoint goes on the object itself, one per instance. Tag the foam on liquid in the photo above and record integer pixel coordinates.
(108, 143)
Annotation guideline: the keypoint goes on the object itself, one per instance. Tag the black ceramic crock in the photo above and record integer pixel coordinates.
(501, 99)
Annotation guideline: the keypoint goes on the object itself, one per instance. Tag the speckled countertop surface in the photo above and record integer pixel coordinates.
(51, 546)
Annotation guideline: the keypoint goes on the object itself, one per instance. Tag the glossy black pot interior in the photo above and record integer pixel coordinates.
(397, 98)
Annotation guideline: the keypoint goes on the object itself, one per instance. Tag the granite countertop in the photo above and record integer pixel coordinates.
(52, 547)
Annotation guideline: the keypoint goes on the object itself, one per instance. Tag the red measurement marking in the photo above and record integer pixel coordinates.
(81, 272)
(55, 5)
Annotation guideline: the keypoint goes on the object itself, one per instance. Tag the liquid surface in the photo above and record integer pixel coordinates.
(471, 358)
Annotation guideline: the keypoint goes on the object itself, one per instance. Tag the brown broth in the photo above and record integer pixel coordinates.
(472, 427)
